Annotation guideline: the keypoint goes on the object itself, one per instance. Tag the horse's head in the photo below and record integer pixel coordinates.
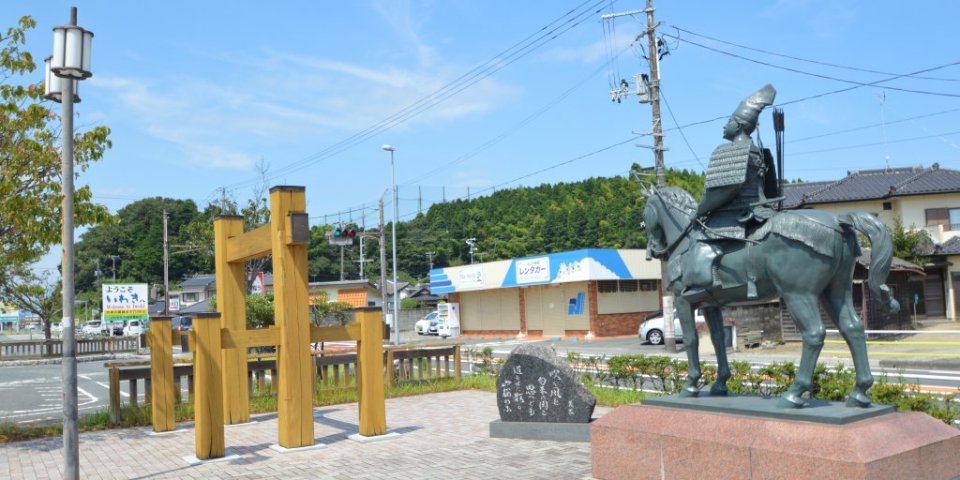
(668, 212)
(656, 240)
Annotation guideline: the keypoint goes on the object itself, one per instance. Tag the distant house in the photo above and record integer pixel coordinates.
(359, 293)
(927, 198)
(424, 298)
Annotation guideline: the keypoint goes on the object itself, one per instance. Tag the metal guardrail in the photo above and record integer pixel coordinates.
(31, 349)
(336, 370)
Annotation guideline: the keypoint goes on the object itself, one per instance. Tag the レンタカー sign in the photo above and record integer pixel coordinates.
(533, 270)
(125, 301)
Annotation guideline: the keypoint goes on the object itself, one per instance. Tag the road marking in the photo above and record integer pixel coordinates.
(104, 385)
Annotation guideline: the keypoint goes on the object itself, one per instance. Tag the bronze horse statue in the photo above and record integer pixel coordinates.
(802, 256)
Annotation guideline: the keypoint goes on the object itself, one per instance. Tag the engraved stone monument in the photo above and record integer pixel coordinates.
(539, 398)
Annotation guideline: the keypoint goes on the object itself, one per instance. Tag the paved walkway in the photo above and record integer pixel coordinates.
(444, 436)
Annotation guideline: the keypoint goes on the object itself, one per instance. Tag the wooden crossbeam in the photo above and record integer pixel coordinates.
(260, 337)
(265, 337)
(250, 245)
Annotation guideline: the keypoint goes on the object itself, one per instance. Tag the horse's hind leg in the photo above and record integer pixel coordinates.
(691, 343)
(805, 309)
(714, 317)
(840, 306)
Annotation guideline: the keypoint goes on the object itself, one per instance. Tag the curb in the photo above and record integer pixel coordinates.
(59, 360)
(937, 364)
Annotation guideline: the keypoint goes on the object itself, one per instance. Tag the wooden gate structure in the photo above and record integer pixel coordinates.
(222, 339)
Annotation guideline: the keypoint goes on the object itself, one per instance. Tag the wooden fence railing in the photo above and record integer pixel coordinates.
(335, 370)
(54, 348)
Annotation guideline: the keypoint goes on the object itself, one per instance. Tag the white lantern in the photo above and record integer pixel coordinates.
(53, 85)
(72, 46)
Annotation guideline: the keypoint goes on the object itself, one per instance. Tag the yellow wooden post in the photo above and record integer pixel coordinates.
(291, 310)
(207, 371)
(231, 303)
(161, 375)
(373, 416)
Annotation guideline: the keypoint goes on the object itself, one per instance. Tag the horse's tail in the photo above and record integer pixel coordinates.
(881, 254)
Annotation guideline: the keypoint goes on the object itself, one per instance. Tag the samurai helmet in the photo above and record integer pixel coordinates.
(744, 118)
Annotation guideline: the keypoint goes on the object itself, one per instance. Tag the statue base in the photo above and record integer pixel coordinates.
(557, 432)
(654, 442)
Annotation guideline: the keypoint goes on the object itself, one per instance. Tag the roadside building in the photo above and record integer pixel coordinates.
(358, 293)
(600, 292)
(921, 198)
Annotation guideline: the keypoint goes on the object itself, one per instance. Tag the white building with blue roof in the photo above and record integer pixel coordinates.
(593, 291)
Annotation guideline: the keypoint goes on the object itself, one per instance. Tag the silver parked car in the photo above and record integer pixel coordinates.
(652, 328)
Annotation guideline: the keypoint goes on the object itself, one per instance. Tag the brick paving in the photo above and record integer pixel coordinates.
(443, 436)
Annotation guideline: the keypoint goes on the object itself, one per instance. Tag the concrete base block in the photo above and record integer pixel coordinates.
(151, 433)
(652, 442)
(557, 432)
(356, 437)
(193, 460)
(282, 449)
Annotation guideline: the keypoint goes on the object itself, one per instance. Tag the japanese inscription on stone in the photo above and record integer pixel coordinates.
(535, 386)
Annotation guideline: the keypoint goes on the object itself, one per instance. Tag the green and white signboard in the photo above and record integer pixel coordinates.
(125, 301)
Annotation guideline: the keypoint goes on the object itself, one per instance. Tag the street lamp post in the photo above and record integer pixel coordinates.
(69, 64)
(113, 259)
(393, 234)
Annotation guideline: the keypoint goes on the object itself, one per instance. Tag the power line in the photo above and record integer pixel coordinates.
(548, 33)
(857, 84)
(516, 127)
(816, 62)
(874, 144)
(682, 135)
(873, 125)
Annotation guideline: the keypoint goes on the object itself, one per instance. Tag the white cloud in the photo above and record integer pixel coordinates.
(279, 97)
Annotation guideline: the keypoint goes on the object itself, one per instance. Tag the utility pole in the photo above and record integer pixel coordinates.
(670, 342)
(419, 200)
(383, 265)
(430, 259)
(166, 267)
(341, 262)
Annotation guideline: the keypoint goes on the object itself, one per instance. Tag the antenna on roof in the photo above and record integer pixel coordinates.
(883, 127)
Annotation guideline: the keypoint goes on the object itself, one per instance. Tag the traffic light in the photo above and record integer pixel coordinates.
(350, 232)
(337, 232)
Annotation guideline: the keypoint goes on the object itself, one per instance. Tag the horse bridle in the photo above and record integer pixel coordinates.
(666, 252)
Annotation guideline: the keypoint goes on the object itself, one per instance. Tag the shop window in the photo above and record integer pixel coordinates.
(607, 286)
(647, 285)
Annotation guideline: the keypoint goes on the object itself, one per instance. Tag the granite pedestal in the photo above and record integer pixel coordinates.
(655, 442)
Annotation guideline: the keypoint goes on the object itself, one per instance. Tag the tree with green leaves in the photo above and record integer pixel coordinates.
(198, 235)
(135, 236)
(908, 244)
(30, 188)
(37, 293)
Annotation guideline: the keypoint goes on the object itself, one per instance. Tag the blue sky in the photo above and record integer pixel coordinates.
(197, 93)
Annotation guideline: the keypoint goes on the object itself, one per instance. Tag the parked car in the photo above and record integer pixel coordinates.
(133, 328)
(427, 325)
(91, 328)
(114, 328)
(652, 327)
(182, 324)
(56, 328)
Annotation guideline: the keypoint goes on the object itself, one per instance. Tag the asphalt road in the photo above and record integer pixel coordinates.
(34, 393)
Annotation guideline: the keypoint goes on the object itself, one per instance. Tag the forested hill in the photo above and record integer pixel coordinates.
(598, 212)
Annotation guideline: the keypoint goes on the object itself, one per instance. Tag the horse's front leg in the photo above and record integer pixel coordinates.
(691, 343)
(714, 318)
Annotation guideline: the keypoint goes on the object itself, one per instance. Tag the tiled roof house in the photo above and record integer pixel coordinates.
(927, 198)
